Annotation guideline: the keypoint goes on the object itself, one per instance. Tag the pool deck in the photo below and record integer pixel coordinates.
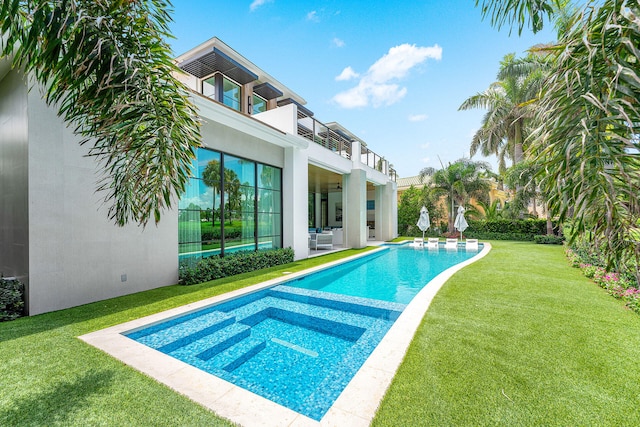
(357, 404)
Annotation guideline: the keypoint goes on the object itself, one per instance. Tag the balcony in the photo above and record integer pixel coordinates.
(321, 134)
(340, 143)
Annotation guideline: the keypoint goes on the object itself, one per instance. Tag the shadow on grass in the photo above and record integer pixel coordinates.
(55, 405)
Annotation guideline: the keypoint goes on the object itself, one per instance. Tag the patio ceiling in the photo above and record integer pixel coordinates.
(326, 181)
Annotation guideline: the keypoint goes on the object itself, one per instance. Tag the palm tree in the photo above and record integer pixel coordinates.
(107, 67)
(459, 181)
(507, 100)
(523, 177)
(587, 142)
(491, 210)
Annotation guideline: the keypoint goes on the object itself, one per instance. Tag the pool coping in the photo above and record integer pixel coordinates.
(356, 405)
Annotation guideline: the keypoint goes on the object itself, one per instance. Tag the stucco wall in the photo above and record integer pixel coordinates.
(77, 255)
(231, 141)
(14, 233)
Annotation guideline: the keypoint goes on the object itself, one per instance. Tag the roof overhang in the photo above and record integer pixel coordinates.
(217, 44)
(301, 108)
(267, 91)
(217, 61)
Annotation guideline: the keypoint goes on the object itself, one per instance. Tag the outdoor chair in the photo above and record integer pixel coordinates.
(451, 244)
(322, 240)
(432, 243)
(471, 244)
(418, 242)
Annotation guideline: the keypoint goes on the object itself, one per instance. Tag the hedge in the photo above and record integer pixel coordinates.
(506, 229)
(549, 240)
(217, 267)
(216, 233)
(11, 299)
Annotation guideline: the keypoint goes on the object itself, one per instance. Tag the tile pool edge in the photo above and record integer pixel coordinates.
(355, 406)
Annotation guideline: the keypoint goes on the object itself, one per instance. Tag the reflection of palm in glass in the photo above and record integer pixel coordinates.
(211, 178)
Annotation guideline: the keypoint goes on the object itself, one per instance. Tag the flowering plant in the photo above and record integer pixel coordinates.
(621, 286)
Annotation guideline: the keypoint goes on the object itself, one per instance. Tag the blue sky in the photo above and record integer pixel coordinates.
(393, 73)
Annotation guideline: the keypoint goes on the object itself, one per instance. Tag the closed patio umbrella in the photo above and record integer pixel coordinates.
(423, 222)
(460, 223)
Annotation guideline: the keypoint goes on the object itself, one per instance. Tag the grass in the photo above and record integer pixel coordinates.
(49, 377)
(518, 338)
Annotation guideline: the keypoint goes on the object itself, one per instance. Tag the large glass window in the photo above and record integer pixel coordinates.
(269, 206)
(231, 94)
(199, 224)
(220, 200)
(258, 104)
(209, 88)
(239, 213)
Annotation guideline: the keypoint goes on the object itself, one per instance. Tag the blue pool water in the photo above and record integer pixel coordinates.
(301, 342)
(396, 275)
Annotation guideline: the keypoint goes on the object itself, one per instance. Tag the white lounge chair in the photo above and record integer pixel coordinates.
(471, 244)
(432, 243)
(418, 242)
(322, 240)
(451, 244)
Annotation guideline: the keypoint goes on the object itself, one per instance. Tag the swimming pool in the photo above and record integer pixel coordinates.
(359, 398)
(396, 274)
(296, 347)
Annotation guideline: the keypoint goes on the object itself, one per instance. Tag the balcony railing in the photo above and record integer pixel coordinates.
(318, 132)
(321, 134)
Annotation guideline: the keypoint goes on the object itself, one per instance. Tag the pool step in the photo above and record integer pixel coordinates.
(223, 339)
(189, 332)
(234, 356)
(390, 311)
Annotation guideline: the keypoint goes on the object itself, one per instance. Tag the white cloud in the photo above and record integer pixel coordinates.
(257, 3)
(338, 42)
(347, 74)
(425, 146)
(375, 86)
(313, 16)
(352, 98)
(426, 160)
(418, 117)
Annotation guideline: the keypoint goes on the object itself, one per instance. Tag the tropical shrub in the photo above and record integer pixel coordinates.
(411, 201)
(11, 299)
(548, 240)
(619, 285)
(506, 229)
(217, 267)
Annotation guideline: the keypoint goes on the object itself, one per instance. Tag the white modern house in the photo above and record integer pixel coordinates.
(267, 172)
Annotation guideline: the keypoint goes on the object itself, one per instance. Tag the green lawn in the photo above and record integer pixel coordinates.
(519, 338)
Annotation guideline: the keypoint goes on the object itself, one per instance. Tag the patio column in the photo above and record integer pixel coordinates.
(386, 211)
(295, 201)
(354, 209)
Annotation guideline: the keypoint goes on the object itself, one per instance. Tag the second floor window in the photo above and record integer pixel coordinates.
(231, 94)
(259, 104)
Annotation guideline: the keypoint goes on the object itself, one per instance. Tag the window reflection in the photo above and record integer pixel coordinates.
(258, 104)
(231, 94)
(226, 197)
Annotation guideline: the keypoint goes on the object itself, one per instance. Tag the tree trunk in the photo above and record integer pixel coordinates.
(549, 223)
(517, 146)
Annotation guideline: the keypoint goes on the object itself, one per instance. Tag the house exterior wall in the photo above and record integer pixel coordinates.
(76, 254)
(235, 142)
(55, 234)
(14, 209)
